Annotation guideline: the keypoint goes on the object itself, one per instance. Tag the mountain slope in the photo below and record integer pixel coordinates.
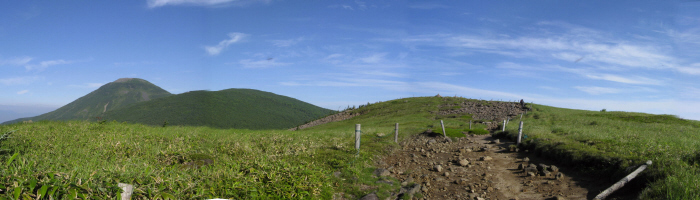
(231, 108)
(111, 96)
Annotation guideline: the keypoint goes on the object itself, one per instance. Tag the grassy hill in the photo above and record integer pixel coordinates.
(111, 96)
(87, 159)
(231, 108)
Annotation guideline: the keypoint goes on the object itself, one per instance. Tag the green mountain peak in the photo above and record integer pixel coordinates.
(111, 96)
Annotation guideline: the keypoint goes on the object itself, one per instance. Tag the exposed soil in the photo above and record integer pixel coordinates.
(492, 171)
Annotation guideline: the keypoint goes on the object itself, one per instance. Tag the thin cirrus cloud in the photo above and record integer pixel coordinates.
(247, 63)
(16, 61)
(22, 92)
(598, 90)
(216, 49)
(19, 80)
(160, 3)
(638, 80)
(45, 64)
(286, 43)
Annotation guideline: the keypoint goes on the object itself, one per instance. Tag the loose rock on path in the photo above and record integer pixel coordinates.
(478, 167)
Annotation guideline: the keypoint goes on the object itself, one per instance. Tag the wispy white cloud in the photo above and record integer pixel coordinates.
(374, 58)
(427, 6)
(634, 80)
(159, 3)
(693, 69)
(45, 64)
(287, 43)
(16, 61)
(19, 80)
(22, 92)
(216, 50)
(344, 6)
(598, 90)
(247, 63)
(382, 73)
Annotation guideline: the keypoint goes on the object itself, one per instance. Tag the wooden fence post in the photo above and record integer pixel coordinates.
(470, 124)
(520, 132)
(396, 133)
(504, 125)
(443, 128)
(357, 136)
(622, 182)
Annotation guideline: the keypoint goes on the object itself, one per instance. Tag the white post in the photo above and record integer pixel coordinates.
(443, 128)
(521, 117)
(622, 182)
(470, 124)
(128, 189)
(357, 136)
(396, 133)
(504, 125)
(520, 132)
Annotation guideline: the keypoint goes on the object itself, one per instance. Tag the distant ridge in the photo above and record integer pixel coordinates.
(111, 96)
(230, 108)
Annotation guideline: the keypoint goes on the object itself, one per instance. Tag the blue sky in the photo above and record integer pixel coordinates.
(641, 56)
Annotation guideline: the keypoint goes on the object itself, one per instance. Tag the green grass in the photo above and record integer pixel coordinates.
(88, 159)
(607, 143)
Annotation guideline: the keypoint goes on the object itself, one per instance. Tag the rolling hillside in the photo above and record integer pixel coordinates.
(88, 160)
(231, 108)
(111, 96)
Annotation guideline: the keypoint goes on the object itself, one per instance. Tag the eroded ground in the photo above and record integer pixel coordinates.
(479, 167)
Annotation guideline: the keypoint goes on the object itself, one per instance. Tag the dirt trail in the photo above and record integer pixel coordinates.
(492, 171)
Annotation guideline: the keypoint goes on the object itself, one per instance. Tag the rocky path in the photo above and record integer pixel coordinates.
(481, 167)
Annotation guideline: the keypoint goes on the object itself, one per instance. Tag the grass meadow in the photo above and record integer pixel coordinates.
(86, 160)
(611, 144)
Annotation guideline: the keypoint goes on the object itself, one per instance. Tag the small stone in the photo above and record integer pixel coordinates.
(560, 198)
(526, 159)
(479, 198)
(438, 168)
(462, 181)
(531, 174)
(431, 141)
(370, 197)
(337, 174)
(468, 150)
(542, 167)
(447, 173)
(413, 189)
(463, 162)
(558, 176)
(381, 172)
(545, 173)
(486, 158)
(521, 166)
(553, 168)
(497, 141)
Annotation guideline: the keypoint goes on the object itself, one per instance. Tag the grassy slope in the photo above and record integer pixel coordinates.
(608, 143)
(114, 95)
(231, 108)
(90, 158)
